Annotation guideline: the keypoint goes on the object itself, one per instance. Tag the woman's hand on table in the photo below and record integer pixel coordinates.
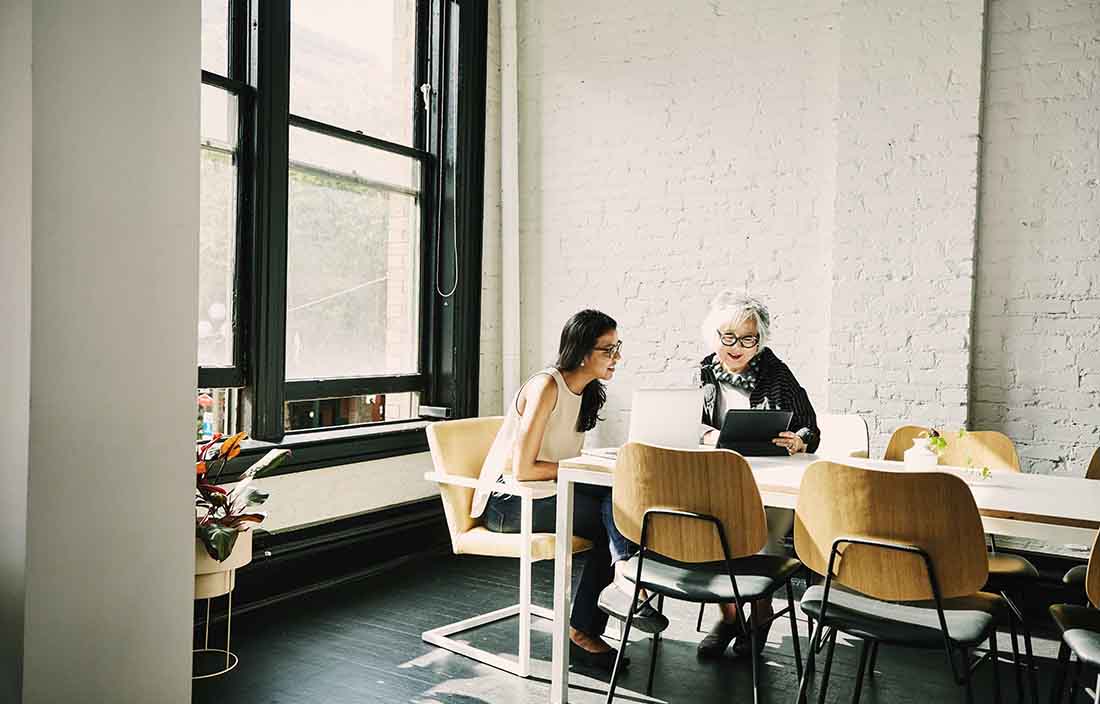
(792, 442)
(710, 437)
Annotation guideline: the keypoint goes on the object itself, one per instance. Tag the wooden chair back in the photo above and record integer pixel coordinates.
(1092, 576)
(1093, 472)
(459, 448)
(843, 435)
(717, 483)
(934, 511)
(902, 440)
(981, 448)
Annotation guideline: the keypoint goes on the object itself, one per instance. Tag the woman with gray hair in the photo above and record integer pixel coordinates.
(742, 372)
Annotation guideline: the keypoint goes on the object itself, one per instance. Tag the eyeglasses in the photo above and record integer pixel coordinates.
(730, 340)
(611, 350)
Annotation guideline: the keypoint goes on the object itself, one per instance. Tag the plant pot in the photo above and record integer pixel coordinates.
(920, 456)
(213, 578)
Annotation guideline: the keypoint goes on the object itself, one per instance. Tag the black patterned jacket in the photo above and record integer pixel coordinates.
(776, 383)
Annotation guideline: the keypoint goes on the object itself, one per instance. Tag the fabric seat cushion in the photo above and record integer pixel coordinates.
(969, 619)
(708, 582)
(479, 540)
(1002, 565)
(1075, 576)
(1080, 627)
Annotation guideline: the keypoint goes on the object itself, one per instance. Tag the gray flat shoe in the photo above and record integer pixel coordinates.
(615, 602)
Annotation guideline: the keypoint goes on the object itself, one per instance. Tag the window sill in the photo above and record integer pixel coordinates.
(336, 446)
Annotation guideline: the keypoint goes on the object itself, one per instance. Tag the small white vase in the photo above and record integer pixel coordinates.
(920, 455)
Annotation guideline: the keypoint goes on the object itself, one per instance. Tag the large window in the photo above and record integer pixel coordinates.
(341, 154)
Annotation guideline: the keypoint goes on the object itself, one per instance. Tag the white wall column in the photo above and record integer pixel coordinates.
(15, 321)
(115, 193)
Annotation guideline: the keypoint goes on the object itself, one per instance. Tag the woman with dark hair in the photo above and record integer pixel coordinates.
(545, 424)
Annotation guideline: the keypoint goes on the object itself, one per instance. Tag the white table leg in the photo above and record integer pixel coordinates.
(563, 583)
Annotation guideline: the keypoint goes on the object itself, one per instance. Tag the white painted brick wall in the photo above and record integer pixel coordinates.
(822, 155)
(1038, 300)
(669, 150)
(490, 372)
(909, 85)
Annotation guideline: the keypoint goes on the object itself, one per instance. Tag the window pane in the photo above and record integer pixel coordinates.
(217, 413)
(217, 227)
(352, 410)
(353, 260)
(215, 36)
(352, 64)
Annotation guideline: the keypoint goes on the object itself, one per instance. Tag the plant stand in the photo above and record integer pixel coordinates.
(214, 579)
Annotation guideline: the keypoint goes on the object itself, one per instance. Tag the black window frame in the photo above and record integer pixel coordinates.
(451, 182)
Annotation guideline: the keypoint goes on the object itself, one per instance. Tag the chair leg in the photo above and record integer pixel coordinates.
(996, 661)
(807, 672)
(654, 647)
(753, 635)
(1096, 693)
(968, 681)
(794, 630)
(1075, 680)
(699, 621)
(1033, 678)
(874, 659)
(1017, 664)
(622, 645)
(1059, 686)
(526, 518)
(828, 667)
(864, 651)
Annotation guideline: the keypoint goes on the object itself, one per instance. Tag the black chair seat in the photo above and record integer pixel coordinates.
(969, 619)
(1075, 576)
(1080, 627)
(708, 582)
(1004, 566)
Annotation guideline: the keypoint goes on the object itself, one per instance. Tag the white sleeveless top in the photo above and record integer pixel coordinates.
(560, 441)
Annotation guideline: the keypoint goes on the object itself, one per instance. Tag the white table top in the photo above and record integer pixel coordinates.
(1059, 509)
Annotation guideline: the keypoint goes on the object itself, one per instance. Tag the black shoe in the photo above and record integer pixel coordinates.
(742, 646)
(717, 640)
(615, 602)
(605, 661)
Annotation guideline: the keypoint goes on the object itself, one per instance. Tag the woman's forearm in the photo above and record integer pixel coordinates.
(537, 471)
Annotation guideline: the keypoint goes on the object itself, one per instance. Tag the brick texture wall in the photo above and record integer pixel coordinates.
(823, 155)
(490, 371)
(907, 144)
(1037, 362)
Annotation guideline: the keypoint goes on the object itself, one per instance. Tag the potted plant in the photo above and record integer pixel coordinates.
(935, 442)
(224, 517)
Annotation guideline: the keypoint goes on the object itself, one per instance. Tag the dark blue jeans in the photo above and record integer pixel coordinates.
(502, 515)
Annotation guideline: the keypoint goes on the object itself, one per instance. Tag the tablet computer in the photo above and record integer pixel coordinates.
(751, 431)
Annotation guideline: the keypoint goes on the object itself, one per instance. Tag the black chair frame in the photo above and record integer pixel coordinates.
(961, 674)
(741, 622)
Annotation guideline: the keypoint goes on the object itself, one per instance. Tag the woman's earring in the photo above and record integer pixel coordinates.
(582, 364)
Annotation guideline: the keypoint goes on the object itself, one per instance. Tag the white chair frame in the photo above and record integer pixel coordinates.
(442, 636)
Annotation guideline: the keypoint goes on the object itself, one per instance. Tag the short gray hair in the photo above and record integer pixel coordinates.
(732, 309)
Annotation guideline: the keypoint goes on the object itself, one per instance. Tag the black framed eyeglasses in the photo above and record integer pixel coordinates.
(730, 340)
(611, 350)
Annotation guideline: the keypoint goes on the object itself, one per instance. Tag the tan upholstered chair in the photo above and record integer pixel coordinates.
(1080, 627)
(843, 435)
(698, 520)
(458, 450)
(904, 560)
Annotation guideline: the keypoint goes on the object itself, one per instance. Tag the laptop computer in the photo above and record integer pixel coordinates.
(664, 417)
(751, 431)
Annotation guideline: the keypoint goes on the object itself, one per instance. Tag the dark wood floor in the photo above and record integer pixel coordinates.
(360, 642)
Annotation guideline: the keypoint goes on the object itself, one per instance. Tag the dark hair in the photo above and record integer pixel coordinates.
(578, 339)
